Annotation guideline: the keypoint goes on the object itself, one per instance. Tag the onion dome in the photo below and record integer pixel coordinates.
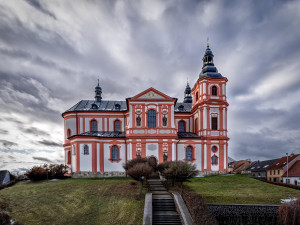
(208, 68)
(187, 94)
(98, 92)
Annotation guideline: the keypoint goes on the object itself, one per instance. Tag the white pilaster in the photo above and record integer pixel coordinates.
(98, 157)
(205, 157)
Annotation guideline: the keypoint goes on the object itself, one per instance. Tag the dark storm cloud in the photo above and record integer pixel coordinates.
(52, 54)
(2, 131)
(43, 159)
(35, 131)
(37, 5)
(50, 143)
(7, 144)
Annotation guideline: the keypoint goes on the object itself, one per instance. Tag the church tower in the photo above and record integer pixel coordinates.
(188, 94)
(210, 111)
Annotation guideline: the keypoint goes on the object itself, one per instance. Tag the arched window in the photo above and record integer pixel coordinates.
(94, 125)
(214, 123)
(214, 160)
(69, 133)
(181, 126)
(74, 150)
(138, 121)
(189, 154)
(214, 90)
(85, 150)
(164, 121)
(69, 157)
(197, 96)
(214, 149)
(117, 126)
(115, 153)
(151, 118)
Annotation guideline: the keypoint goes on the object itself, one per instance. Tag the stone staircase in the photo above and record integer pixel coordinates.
(164, 209)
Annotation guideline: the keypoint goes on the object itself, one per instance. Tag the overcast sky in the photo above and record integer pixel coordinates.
(52, 52)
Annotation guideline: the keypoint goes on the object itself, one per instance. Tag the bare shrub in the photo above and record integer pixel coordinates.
(137, 169)
(198, 209)
(289, 213)
(52, 171)
(36, 173)
(4, 218)
(179, 171)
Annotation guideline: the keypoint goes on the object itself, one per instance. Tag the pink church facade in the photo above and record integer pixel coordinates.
(100, 136)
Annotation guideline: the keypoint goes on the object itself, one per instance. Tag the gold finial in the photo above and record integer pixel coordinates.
(207, 44)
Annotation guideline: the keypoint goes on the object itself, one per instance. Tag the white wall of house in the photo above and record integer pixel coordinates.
(85, 160)
(293, 180)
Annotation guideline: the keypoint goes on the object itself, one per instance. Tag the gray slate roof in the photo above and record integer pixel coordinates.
(2, 175)
(104, 134)
(86, 105)
(187, 107)
(260, 166)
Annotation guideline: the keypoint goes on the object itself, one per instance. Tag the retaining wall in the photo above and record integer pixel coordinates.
(245, 214)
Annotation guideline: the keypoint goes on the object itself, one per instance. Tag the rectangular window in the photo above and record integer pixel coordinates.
(278, 171)
(273, 172)
(214, 123)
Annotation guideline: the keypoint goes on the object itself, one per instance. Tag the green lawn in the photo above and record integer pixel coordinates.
(239, 189)
(75, 201)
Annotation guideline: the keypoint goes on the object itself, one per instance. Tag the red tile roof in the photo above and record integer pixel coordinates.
(282, 162)
(294, 171)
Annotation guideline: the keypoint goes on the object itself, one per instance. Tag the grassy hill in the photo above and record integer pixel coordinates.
(239, 189)
(75, 201)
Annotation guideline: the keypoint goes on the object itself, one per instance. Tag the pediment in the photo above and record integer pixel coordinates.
(152, 94)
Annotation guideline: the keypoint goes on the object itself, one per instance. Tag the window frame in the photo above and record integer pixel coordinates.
(69, 157)
(214, 123)
(120, 124)
(91, 125)
(151, 118)
(193, 154)
(69, 133)
(217, 160)
(214, 90)
(86, 150)
(181, 122)
(112, 148)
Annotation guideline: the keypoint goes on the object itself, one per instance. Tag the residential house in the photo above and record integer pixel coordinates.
(4, 177)
(259, 169)
(277, 169)
(293, 175)
(238, 166)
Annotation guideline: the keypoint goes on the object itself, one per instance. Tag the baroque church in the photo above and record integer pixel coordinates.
(101, 135)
